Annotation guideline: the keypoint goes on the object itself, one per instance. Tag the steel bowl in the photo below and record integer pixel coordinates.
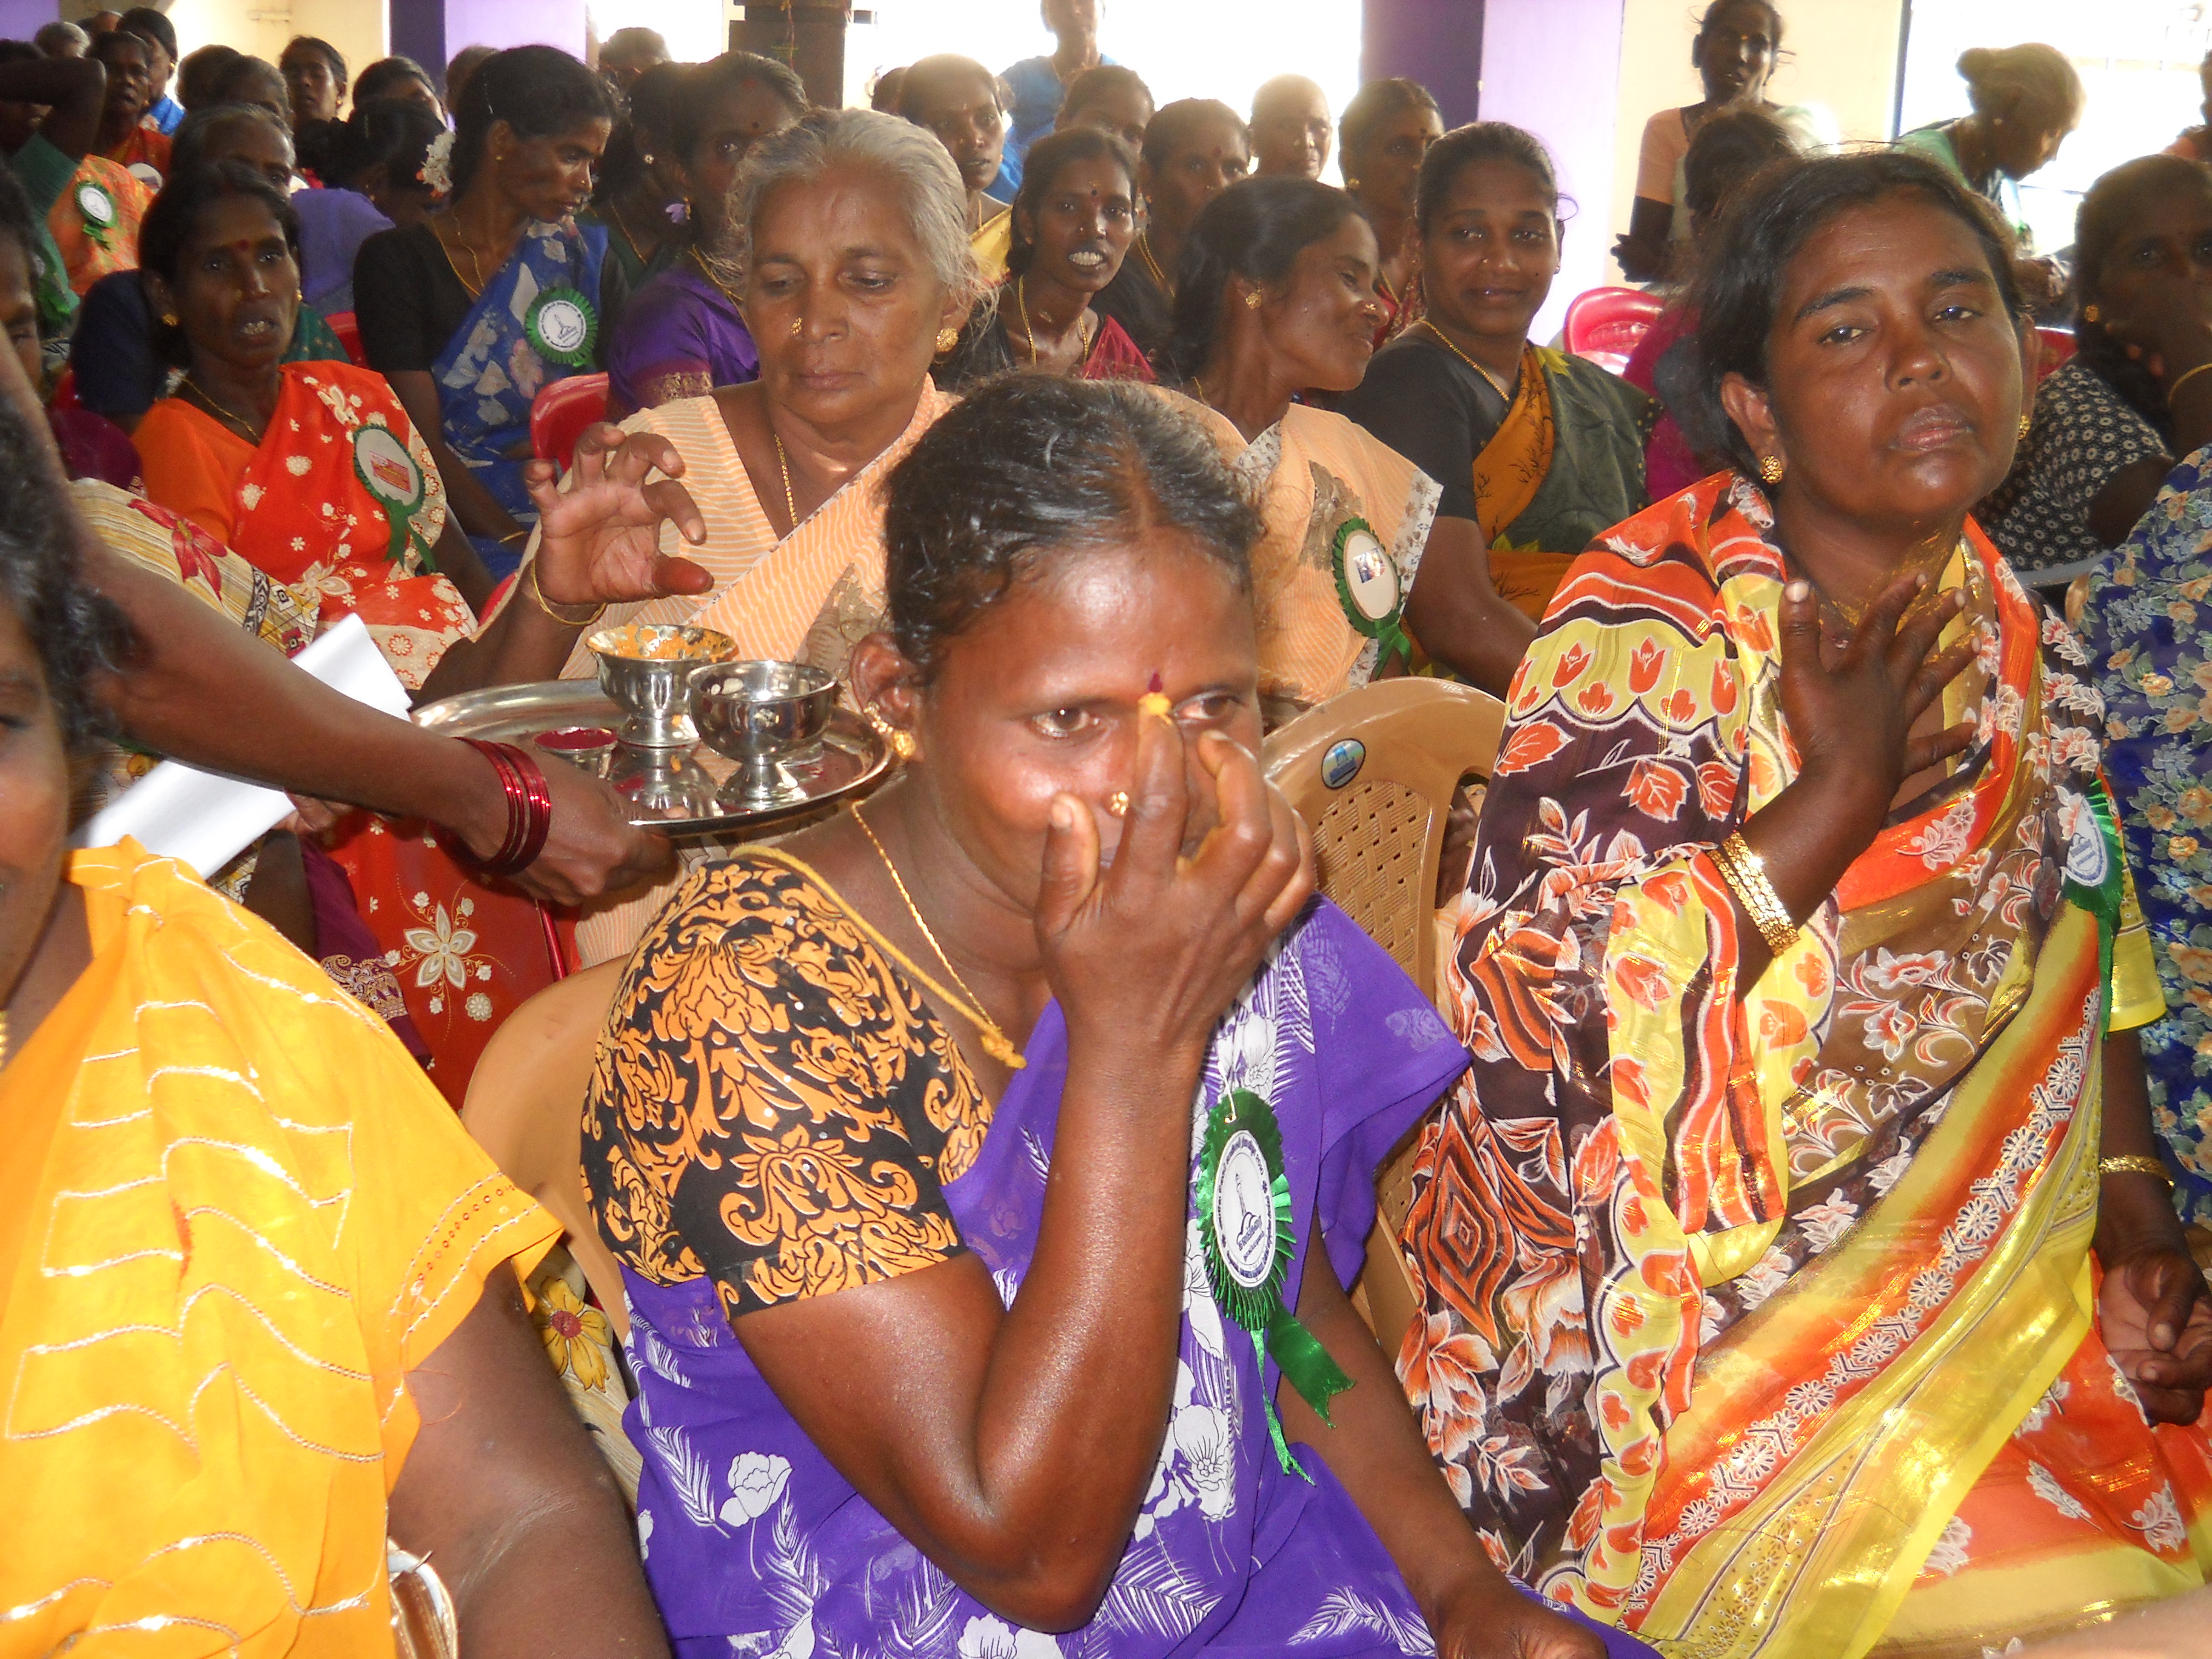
(764, 715)
(647, 669)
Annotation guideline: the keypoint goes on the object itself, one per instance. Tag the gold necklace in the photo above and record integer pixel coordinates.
(994, 1039)
(1152, 265)
(1445, 340)
(475, 265)
(240, 422)
(699, 260)
(783, 466)
(621, 227)
(1082, 334)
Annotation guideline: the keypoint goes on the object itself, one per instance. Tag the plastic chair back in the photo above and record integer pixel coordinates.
(1605, 325)
(562, 412)
(1372, 773)
(526, 1108)
(347, 327)
(2054, 347)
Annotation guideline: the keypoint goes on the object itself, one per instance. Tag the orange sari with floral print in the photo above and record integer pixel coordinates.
(1759, 1320)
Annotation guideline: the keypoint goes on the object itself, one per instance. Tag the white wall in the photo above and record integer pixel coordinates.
(358, 28)
(1842, 54)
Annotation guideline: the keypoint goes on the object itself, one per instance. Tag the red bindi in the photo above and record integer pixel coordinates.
(1153, 684)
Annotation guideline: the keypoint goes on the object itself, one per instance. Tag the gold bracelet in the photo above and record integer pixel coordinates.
(2184, 378)
(555, 610)
(2134, 1163)
(1745, 872)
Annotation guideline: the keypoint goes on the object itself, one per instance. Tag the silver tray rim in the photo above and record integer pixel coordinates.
(581, 703)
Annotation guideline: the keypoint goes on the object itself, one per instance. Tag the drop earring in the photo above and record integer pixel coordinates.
(2090, 315)
(901, 744)
(2026, 421)
(1252, 301)
(1770, 468)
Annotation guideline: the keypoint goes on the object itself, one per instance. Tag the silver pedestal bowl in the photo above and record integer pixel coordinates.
(765, 716)
(647, 670)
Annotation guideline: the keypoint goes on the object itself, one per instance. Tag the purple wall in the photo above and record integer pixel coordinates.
(1553, 66)
(1436, 42)
(432, 31)
(22, 19)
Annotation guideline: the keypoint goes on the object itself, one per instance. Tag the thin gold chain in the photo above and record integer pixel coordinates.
(240, 422)
(699, 260)
(1445, 340)
(1082, 338)
(994, 1039)
(1152, 265)
(476, 266)
(783, 466)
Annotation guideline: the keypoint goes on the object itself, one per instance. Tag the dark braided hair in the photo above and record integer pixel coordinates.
(1742, 268)
(1035, 466)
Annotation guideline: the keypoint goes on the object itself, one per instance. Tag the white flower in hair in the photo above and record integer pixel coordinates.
(437, 164)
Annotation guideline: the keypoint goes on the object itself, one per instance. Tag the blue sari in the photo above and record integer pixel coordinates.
(493, 368)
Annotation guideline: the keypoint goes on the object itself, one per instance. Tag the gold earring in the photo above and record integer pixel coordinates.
(901, 744)
(1118, 803)
(946, 339)
(2026, 421)
(2090, 315)
(1770, 468)
(168, 319)
(1252, 301)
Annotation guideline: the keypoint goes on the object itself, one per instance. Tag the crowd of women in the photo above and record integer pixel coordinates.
(1807, 1130)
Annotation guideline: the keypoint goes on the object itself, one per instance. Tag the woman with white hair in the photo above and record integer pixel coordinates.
(849, 236)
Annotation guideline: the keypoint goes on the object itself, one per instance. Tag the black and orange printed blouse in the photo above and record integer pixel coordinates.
(773, 1105)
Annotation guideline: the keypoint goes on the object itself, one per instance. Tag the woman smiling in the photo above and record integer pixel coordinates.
(1541, 450)
(1799, 1276)
(1072, 223)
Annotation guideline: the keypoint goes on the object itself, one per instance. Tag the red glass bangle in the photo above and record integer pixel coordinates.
(529, 810)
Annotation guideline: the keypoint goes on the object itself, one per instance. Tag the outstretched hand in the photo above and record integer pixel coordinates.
(1851, 708)
(1148, 951)
(599, 539)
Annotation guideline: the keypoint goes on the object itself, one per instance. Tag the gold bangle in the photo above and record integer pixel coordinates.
(556, 610)
(2184, 378)
(1745, 872)
(2134, 1163)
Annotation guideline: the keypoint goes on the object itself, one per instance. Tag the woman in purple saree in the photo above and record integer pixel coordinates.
(986, 1165)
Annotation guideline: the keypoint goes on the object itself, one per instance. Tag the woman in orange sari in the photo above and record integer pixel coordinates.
(313, 472)
(1798, 1275)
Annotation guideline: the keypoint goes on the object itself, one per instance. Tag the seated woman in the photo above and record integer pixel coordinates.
(2103, 437)
(1194, 148)
(264, 1335)
(2142, 618)
(1111, 97)
(1290, 129)
(1278, 297)
(1541, 451)
(119, 372)
(471, 313)
(635, 189)
(958, 99)
(125, 138)
(372, 181)
(683, 334)
(986, 1168)
(399, 77)
(1389, 126)
(1733, 52)
(1072, 223)
(1794, 1260)
(2025, 100)
(312, 470)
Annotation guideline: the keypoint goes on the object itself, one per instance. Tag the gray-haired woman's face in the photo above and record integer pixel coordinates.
(841, 296)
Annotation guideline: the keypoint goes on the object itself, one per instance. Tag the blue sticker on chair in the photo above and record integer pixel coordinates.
(1342, 763)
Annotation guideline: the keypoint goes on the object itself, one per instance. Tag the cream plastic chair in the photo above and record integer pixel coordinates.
(526, 1108)
(1372, 774)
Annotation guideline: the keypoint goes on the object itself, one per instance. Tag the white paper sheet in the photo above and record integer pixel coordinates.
(205, 819)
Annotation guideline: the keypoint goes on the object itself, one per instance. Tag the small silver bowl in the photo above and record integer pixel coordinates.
(586, 748)
(647, 668)
(764, 715)
(664, 783)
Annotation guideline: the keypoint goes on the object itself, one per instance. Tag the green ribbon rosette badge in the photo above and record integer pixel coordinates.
(2094, 876)
(1368, 587)
(391, 476)
(1246, 1230)
(562, 327)
(97, 208)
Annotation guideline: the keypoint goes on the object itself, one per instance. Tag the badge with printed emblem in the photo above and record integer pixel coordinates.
(394, 479)
(1248, 1235)
(562, 327)
(1368, 587)
(97, 208)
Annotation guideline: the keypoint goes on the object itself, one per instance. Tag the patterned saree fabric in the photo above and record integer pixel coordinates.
(777, 1114)
(1758, 1319)
(94, 223)
(2146, 619)
(232, 1218)
(1332, 496)
(310, 504)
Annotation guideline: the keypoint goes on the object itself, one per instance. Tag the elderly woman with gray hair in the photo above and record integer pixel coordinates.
(847, 234)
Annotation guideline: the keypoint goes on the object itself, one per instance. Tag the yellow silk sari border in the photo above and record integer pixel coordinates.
(1814, 1562)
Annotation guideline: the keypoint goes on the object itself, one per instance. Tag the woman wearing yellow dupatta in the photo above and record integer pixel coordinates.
(1797, 1275)
(778, 499)
(1357, 575)
(1541, 450)
(264, 1344)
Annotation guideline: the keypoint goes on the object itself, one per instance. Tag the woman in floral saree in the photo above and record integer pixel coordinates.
(1797, 1277)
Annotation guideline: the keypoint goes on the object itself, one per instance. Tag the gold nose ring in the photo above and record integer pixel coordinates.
(1118, 803)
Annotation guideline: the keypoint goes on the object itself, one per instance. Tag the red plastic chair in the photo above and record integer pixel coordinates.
(343, 325)
(562, 412)
(64, 391)
(2053, 346)
(1606, 323)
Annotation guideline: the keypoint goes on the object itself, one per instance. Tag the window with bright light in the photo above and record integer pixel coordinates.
(2137, 60)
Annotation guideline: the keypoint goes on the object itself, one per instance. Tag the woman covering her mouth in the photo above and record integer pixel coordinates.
(1541, 450)
(1073, 224)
